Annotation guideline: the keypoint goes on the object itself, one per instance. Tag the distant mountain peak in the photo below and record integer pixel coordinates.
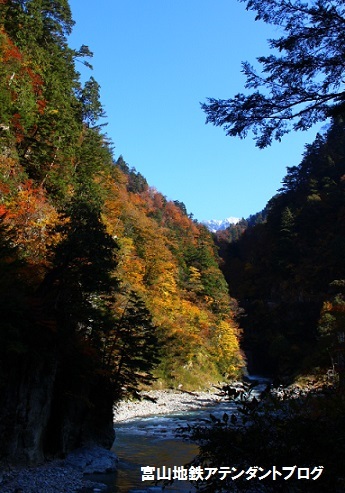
(218, 224)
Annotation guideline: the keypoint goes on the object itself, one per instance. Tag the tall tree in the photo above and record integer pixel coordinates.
(300, 83)
(131, 347)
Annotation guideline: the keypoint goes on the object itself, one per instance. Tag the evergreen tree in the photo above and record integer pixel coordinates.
(281, 270)
(301, 82)
(131, 347)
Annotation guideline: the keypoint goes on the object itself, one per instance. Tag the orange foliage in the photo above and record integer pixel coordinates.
(30, 215)
(150, 231)
(9, 50)
(18, 73)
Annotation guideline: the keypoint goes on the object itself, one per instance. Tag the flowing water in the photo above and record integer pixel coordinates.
(152, 441)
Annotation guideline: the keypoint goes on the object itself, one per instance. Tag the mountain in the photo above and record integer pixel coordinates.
(105, 285)
(287, 269)
(219, 224)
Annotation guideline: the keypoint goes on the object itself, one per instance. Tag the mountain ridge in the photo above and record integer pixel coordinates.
(215, 225)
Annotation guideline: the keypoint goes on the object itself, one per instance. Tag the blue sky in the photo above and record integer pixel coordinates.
(156, 60)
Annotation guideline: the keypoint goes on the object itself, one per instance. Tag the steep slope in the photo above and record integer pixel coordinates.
(288, 272)
(104, 283)
(171, 263)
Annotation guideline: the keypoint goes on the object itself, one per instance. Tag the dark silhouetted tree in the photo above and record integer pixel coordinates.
(300, 83)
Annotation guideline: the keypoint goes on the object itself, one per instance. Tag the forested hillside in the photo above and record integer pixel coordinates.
(105, 284)
(288, 272)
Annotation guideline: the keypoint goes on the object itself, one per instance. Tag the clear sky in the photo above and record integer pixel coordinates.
(156, 60)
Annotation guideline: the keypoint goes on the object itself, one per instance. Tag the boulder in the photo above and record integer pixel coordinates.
(92, 460)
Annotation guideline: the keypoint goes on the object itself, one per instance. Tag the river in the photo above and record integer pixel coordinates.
(152, 441)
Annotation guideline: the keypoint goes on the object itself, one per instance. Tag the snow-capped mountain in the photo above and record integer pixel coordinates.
(217, 224)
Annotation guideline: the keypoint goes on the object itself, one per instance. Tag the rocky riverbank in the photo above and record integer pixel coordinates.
(60, 476)
(163, 402)
(70, 475)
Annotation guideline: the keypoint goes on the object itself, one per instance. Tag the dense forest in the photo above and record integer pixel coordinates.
(106, 286)
(288, 270)
(286, 266)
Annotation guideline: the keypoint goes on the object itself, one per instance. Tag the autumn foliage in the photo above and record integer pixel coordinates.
(170, 261)
(106, 286)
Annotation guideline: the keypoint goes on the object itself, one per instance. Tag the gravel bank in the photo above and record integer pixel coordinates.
(63, 477)
(166, 402)
(52, 477)
(60, 476)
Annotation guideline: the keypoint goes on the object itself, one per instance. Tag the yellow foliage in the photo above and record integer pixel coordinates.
(191, 335)
(226, 347)
(32, 219)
